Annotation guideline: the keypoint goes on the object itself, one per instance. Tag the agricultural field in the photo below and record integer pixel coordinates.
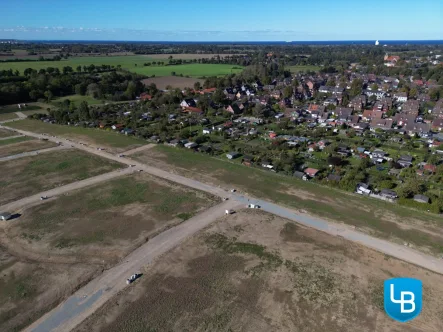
(378, 218)
(17, 145)
(132, 63)
(296, 69)
(193, 70)
(114, 141)
(253, 271)
(173, 81)
(56, 246)
(30, 175)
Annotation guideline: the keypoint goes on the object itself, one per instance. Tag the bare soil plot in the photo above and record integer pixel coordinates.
(55, 247)
(252, 271)
(30, 175)
(6, 133)
(30, 288)
(173, 81)
(23, 144)
(106, 221)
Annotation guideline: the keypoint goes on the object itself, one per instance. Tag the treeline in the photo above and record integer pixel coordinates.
(49, 83)
(232, 60)
(41, 58)
(263, 73)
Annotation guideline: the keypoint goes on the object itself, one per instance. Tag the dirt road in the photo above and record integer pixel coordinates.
(75, 309)
(21, 115)
(15, 207)
(33, 153)
(89, 298)
(9, 137)
(139, 149)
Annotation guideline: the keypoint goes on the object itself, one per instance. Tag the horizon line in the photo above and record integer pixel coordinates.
(221, 41)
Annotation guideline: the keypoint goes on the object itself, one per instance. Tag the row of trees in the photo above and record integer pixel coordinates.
(49, 83)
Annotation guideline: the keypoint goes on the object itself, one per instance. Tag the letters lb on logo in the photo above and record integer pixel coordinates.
(403, 298)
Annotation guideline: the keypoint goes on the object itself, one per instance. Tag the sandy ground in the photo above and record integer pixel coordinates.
(112, 281)
(174, 81)
(253, 271)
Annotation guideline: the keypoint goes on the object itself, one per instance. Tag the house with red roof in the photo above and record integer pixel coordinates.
(311, 172)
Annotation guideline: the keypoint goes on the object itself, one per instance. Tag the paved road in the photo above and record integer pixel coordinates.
(33, 153)
(72, 312)
(92, 296)
(15, 207)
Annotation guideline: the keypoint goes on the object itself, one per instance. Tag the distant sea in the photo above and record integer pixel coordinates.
(335, 42)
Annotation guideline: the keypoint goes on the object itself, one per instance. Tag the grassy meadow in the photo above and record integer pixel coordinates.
(133, 63)
(30, 175)
(87, 135)
(379, 218)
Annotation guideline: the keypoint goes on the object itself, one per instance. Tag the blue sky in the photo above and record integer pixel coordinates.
(221, 20)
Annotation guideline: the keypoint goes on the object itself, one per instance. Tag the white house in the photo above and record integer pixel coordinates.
(191, 145)
(401, 97)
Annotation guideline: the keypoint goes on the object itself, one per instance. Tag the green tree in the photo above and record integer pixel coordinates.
(48, 94)
(413, 93)
(197, 86)
(288, 92)
(83, 111)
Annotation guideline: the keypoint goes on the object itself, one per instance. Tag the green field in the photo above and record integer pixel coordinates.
(7, 116)
(77, 99)
(377, 217)
(14, 140)
(30, 175)
(122, 209)
(193, 70)
(132, 63)
(10, 109)
(115, 141)
(296, 69)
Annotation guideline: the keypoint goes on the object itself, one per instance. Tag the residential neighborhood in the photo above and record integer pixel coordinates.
(348, 130)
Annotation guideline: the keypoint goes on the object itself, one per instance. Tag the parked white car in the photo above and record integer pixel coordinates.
(133, 278)
(253, 206)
